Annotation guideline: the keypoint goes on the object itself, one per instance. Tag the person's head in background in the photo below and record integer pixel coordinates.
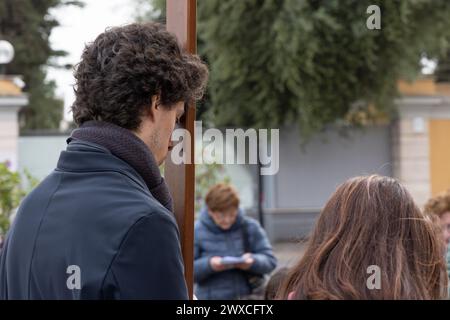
(370, 221)
(439, 206)
(222, 201)
(138, 78)
(274, 283)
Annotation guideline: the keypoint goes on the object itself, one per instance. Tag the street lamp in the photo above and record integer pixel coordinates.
(6, 54)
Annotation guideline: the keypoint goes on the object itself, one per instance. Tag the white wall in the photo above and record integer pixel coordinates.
(40, 154)
(9, 132)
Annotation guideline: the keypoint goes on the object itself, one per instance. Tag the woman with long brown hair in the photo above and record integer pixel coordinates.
(370, 224)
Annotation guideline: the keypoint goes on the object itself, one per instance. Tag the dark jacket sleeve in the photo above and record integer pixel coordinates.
(261, 250)
(202, 268)
(149, 262)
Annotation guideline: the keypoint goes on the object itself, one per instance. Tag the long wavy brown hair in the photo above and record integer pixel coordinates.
(370, 221)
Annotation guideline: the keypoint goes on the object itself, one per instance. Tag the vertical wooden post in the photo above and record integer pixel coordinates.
(181, 20)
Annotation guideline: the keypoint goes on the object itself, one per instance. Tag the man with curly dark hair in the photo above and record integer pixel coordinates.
(101, 226)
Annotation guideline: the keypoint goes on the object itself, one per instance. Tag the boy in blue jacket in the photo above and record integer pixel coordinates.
(223, 234)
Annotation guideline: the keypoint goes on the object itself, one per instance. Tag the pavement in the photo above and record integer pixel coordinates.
(288, 252)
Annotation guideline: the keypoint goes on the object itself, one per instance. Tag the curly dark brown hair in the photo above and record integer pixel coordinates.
(125, 66)
(439, 204)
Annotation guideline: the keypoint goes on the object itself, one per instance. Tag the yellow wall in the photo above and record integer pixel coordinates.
(8, 88)
(439, 155)
(421, 87)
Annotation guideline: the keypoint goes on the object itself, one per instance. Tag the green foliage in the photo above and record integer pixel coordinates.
(442, 73)
(150, 10)
(312, 62)
(11, 193)
(28, 25)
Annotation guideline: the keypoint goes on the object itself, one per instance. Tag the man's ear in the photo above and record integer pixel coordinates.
(154, 106)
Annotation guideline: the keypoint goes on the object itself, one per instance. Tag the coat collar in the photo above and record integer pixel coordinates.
(83, 156)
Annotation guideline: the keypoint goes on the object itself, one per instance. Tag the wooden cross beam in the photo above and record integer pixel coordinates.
(181, 20)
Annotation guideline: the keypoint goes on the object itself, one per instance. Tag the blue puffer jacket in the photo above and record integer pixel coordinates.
(211, 240)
